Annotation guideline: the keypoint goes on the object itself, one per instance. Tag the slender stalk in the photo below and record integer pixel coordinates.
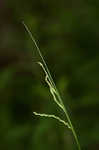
(53, 86)
(70, 123)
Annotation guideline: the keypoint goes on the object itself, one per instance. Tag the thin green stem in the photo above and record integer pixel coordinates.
(69, 121)
(38, 49)
(52, 85)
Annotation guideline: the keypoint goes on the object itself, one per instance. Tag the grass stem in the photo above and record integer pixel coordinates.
(53, 89)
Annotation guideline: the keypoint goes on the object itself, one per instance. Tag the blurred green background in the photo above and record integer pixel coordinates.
(67, 32)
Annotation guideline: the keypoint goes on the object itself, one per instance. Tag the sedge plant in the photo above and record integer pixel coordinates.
(54, 91)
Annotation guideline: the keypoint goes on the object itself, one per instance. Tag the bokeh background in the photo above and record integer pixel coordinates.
(67, 32)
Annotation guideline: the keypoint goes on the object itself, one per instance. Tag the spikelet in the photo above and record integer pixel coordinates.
(52, 116)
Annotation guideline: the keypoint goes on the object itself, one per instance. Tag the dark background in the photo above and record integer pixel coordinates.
(67, 32)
